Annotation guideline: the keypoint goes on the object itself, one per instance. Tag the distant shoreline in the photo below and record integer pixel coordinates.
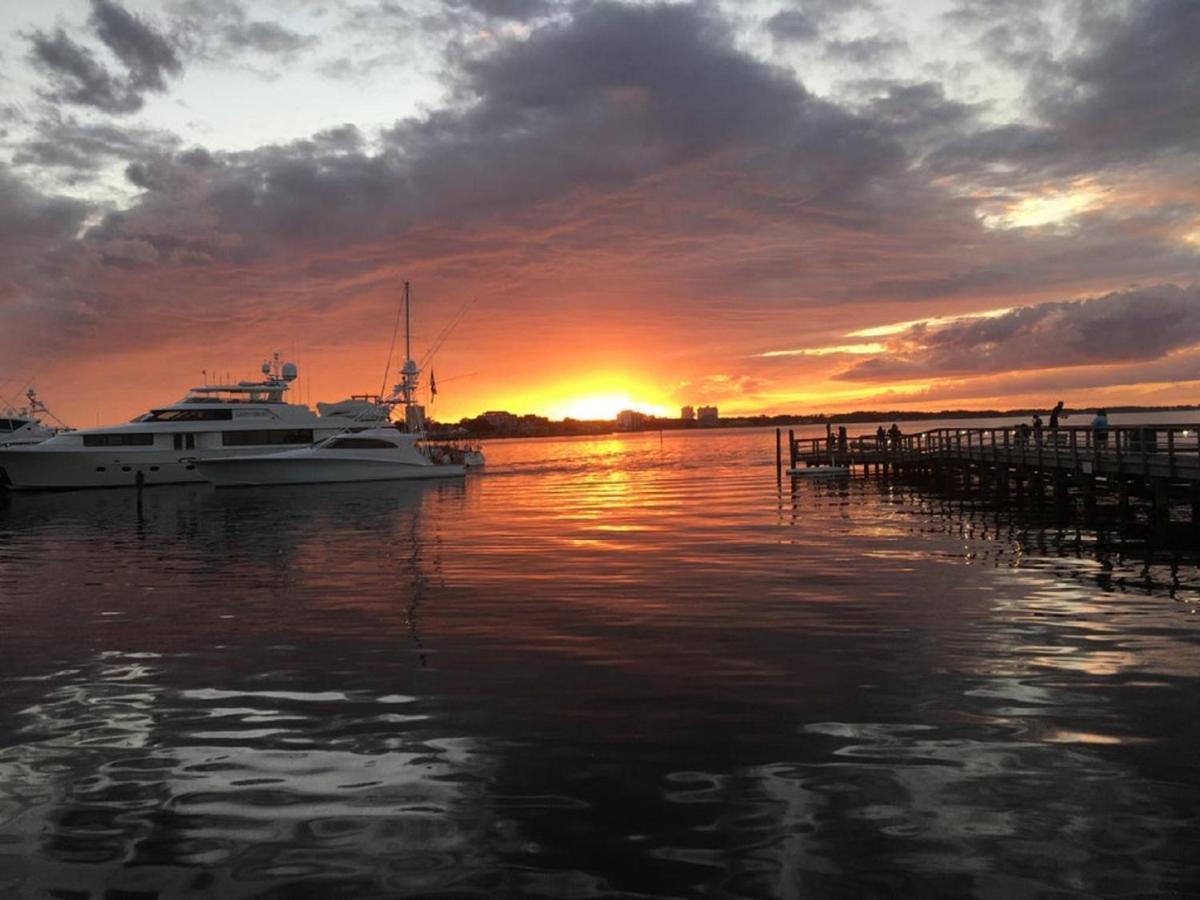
(476, 428)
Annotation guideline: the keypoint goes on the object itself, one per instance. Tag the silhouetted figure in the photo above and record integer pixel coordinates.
(880, 438)
(842, 438)
(1100, 428)
(1037, 429)
(894, 435)
(1055, 414)
(1023, 435)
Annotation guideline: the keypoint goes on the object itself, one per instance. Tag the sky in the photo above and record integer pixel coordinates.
(771, 207)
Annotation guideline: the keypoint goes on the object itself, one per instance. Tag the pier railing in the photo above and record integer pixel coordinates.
(1157, 450)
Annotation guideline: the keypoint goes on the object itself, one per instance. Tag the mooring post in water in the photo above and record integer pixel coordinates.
(791, 449)
(778, 454)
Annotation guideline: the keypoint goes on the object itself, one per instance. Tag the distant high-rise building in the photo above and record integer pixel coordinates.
(707, 415)
(630, 420)
(687, 414)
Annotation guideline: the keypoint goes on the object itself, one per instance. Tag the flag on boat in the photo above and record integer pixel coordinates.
(432, 385)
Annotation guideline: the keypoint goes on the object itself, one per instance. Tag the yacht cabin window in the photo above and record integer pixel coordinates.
(135, 439)
(256, 437)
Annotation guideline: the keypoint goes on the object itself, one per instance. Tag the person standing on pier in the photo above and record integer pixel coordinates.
(1100, 428)
(1037, 429)
(880, 438)
(894, 435)
(1054, 415)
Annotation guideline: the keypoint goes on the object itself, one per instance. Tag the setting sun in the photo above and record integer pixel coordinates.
(601, 406)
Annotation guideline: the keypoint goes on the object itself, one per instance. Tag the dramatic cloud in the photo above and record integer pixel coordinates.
(1120, 327)
(517, 10)
(612, 96)
(216, 30)
(146, 54)
(793, 25)
(1128, 91)
(805, 21)
(80, 78)
(67, 143)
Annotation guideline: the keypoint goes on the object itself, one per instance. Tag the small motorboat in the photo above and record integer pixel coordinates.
(372, 454)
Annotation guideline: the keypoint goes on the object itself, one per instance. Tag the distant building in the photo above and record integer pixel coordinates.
(707, 415)
(687, 414)
(630, 420)
(502, 422)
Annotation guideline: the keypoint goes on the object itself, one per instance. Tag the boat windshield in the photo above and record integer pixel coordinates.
(266, 392)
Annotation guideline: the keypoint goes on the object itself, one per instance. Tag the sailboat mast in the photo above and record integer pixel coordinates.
(407, 331)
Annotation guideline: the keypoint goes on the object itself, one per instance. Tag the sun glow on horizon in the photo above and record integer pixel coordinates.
(599, 406)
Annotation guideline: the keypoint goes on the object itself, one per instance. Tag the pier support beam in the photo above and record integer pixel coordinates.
(1061, 497)
(1089, 497)
(1162, 501)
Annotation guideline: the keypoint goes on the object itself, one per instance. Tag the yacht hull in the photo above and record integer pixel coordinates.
(259, 471)
(31, 468)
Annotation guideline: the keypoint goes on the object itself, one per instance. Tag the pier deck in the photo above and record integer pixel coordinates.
(1160, 461)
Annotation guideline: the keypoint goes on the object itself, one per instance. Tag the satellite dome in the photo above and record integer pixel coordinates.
(266, 368)
(290, 371)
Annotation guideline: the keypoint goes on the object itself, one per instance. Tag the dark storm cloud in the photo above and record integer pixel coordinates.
(864, 51)
(613, 95)
(41, 263)
(1137, 80)
(636, 127)
(1126, 92)
(65, 142)
(224, 30)
(804, 21)
(516, 10)
(1121, 327)
(146, 54)
(28, 217)
(79, 78)
(793, 25)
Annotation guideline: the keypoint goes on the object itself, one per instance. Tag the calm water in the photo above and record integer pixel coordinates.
(604, 668)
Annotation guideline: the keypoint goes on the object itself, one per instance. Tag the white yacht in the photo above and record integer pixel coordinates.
(373, 454)
(161, 446)
(22, 427)
(384, 453)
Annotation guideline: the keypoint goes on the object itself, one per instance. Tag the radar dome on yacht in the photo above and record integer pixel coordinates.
(266, 368)
(290, 371)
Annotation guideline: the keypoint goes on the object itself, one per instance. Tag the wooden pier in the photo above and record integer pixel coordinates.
(1155, 464)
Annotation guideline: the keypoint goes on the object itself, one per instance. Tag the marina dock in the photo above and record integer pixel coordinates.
(1155, 466)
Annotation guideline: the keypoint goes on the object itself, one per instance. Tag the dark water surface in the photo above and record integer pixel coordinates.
(603, 668)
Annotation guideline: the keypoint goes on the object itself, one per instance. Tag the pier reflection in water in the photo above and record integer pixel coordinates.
(603, 668)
